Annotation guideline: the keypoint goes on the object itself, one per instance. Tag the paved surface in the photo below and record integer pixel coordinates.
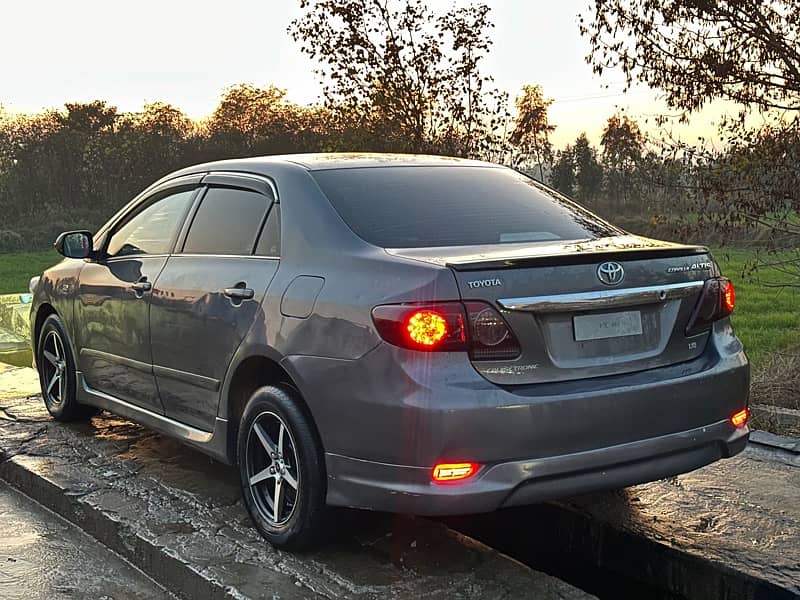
(178, 516)
(43, 557)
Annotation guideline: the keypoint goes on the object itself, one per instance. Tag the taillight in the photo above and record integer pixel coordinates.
(474, 327)
(717, 301)
(739, 419)
(490, 336)
(431, 327)
(452, 472)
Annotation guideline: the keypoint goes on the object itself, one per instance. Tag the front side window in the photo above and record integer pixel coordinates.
(227, 222)
(152, 230)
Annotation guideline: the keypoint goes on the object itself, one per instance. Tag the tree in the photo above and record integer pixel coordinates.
(562, 176)
(396, 69)
(589, 173)
(531, 128)
(622, 143)
(699, 50)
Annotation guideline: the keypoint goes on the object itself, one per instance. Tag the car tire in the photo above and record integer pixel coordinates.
(279, 456)
(57, 373)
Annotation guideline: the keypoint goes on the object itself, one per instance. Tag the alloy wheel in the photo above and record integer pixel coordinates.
(54, 369)
(273, 470)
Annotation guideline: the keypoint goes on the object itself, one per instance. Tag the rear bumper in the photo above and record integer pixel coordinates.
(388, 417)
(394, 488)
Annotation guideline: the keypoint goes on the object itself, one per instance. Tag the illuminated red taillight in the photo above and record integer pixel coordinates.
(717, 301)
(739, 419)
(429, 327)
(449, 472)
(474, 327)
(727, 296)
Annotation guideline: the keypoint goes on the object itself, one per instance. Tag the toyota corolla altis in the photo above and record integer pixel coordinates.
(401, 333)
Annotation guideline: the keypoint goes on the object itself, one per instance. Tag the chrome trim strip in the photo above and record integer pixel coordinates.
(249, 256)
(142, 415)
(120, 360)
(602, 298)
(207, 383)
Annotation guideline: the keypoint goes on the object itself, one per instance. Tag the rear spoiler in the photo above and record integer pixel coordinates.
(576, 258)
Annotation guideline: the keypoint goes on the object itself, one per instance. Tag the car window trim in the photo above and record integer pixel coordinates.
(249, 181)
(146, 203)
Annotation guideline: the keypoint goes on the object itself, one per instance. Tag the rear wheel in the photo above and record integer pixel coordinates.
(57, 373)
(281, 468)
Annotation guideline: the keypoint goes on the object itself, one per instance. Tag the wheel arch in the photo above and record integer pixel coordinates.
(42, 312)
(258, 368)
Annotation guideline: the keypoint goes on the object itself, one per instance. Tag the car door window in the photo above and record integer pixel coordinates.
(269, 243)
(227, 222)
(152, 230)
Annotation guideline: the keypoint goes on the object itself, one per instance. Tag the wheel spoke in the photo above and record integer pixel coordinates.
(62, 385)
(262, 476)
(264, 438)
(56, 346)
(276, 511)
(53, 381)
(289, 478)
(51, 358)
(280, 440)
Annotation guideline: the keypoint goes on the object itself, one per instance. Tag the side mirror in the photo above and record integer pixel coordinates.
(74, 244)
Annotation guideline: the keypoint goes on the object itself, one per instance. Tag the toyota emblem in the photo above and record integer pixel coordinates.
(610, 273)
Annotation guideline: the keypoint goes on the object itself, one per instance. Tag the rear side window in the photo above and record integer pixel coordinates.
(269, 244)
(227, 222)
(416, 207)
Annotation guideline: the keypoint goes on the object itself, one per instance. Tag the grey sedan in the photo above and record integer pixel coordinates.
(400, 333)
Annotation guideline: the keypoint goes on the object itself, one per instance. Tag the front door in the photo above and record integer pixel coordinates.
(115, 291)
(209, 295)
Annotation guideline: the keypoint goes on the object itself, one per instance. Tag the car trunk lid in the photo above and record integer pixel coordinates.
(575, 317)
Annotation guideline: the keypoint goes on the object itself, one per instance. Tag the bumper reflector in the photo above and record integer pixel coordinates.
(445, 472)
(739, 419)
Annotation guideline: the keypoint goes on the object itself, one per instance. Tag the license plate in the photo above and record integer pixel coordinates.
(609, 325)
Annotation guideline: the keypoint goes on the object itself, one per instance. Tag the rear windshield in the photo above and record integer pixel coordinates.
(418, 207)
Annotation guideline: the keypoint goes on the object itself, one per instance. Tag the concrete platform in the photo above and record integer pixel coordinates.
(43, 557)
(728, 531)
(178, 517)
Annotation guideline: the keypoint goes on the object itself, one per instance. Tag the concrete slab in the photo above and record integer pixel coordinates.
(43, 557)
(727, 531)
(178, 516)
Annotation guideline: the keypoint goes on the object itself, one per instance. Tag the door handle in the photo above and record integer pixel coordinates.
(142, 286)
(240, 293)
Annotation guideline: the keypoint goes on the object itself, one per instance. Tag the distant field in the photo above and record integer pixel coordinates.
(16, 270)
(766, 319)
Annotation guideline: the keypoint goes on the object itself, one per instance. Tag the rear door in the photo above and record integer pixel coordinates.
(210, 291)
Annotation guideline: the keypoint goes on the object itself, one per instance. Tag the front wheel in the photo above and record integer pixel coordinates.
(282, 469)
(57, 373)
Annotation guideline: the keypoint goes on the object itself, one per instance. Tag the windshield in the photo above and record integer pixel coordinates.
(417, 207)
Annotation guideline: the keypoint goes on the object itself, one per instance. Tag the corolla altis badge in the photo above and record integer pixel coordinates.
(698, 266)
(481, 283)
(610, 273)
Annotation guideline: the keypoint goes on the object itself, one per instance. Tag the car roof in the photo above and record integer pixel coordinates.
(337, 160)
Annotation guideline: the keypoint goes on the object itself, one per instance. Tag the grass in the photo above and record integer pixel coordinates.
(17, 269)
(766, 319)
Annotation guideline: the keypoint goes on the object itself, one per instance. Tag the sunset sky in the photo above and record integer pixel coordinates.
(187, 52)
